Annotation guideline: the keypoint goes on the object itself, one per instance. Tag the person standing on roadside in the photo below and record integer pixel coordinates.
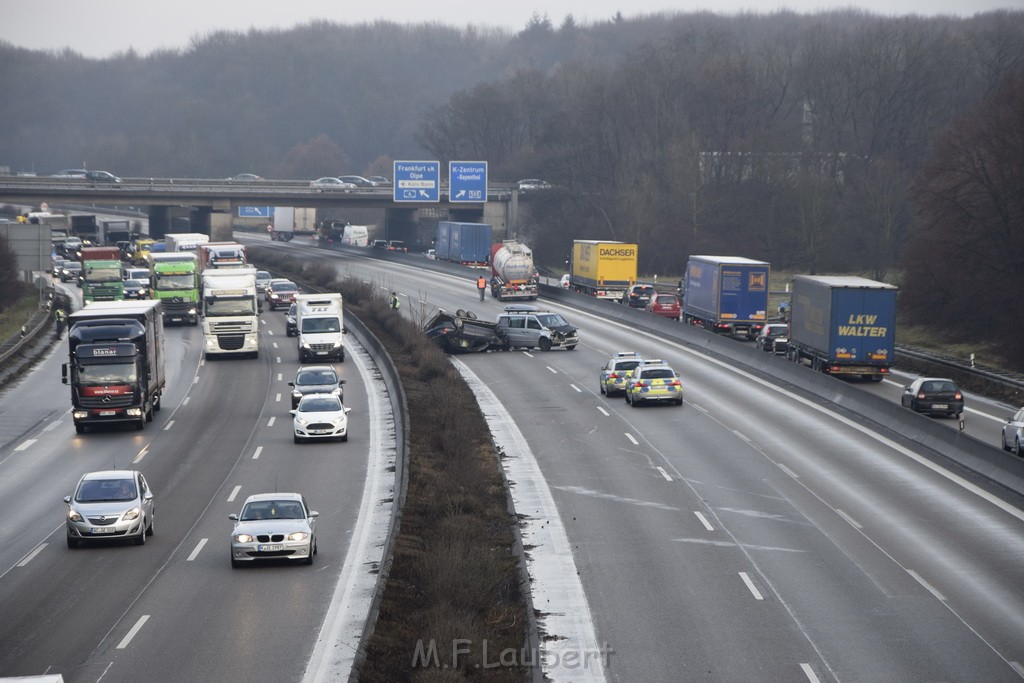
(60, 316)
(393, 301)
(481, 284)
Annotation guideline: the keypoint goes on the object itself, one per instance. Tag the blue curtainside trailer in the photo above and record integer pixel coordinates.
(726, 294)
(465, 243)
(843, 325)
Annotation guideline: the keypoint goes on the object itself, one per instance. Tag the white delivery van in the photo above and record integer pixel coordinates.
(318, 320)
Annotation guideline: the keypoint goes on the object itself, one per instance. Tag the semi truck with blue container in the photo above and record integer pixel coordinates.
(843, 325)
(726, 294)
(465, 243)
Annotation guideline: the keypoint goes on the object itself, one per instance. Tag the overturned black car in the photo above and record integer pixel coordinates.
(462, 332)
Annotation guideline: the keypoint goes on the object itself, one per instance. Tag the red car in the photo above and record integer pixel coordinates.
(666, 305)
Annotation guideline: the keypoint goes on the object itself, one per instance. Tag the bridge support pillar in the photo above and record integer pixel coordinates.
(159, 221)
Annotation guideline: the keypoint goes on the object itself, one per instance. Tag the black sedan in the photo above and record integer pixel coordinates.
(934, 396)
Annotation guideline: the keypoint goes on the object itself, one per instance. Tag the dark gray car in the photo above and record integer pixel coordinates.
(316, 379)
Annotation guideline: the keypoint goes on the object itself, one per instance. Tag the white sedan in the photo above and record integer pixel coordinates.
(320, 416)
(329, 183)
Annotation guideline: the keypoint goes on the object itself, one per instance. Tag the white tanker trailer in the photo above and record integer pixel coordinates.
(512, 273)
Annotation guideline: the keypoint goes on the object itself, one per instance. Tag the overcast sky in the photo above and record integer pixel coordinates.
(101, 28)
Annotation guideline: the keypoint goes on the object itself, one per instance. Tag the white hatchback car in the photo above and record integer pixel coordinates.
(320, 416)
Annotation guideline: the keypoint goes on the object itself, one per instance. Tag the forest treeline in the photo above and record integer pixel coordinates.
(891, 147)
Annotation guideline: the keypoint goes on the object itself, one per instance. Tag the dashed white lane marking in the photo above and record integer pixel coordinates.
(28, 558)
(195, 380)
(603, 411)
(809, 672)
(25, 444)
(664, 474)
(553, 371)
(50, 426)
(197, 549)
(168, 425)
(630, 437)
(578, 390)
(141, 455)
(131, 634)
(234, 492)
(279, 360)
(185, 401)
(703, 520)
(750, 585)
(277, 398)
(256, 455)
(279, 377)
(270, 422)
(274, 344)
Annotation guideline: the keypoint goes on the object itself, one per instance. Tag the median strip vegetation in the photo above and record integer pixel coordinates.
(453, 607)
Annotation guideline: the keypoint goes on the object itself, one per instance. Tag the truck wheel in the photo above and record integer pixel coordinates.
(545, 344)
(341, 356)
(149, 413)
(156, 403)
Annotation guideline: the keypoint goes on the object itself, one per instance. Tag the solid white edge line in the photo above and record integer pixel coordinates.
(703, 520)
(28, 558)
(555, 584)
(256, 455)
(850, 520)
(234, 492)
(334, 652)
(131, 634)
(198, 548)
(927, 586)
(751, 587)
(786, 470)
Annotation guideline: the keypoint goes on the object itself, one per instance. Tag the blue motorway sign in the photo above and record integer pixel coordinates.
(417, 181)
(467, 181)
(255, 211)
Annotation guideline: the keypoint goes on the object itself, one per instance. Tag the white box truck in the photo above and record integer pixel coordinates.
(318, 320)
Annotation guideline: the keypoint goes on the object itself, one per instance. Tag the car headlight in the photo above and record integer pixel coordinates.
(336, 391)
(74, 515)
(338, 421)
(132, 514)
(244, 538)
(298, 536)
(302, 421)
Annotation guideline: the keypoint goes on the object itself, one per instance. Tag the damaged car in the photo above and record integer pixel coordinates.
(463, 332)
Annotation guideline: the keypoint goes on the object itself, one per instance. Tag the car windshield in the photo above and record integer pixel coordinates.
(283, 287)
(551, 320)
(316, 377)
(320, 404)
(320, 325)
(106, 491)
(105, 274)
(272, 509)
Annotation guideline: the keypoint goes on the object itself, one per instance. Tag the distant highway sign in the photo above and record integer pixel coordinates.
(467, 181)
(254, 211)
(417, 181)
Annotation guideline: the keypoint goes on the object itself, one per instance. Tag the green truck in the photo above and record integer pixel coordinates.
(101, 274)
(174, 281)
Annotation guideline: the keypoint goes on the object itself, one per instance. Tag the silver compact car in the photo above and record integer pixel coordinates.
(274, 526)
(320, 416)
(1013, 433)
(110, 505)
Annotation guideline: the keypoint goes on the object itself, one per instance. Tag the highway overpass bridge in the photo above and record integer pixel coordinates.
(213, 204)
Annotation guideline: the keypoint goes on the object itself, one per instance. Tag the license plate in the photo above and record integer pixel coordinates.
(319, 431)
(107, 413)
(321, 353)
(940, 406)
(269, 548)
(103, 530)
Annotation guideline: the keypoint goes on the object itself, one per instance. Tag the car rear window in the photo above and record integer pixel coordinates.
(627, 364)
(658, 373)
(938, 386)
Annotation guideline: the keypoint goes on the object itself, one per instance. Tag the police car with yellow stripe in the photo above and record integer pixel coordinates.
(653, 382)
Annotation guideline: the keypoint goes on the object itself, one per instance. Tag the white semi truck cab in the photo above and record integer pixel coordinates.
(230, 313)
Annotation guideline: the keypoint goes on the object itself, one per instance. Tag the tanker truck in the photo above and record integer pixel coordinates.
(512, 273)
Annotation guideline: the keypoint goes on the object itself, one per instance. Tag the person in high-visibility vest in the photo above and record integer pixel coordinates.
(394, 303)
(481, 284)
(60, 317)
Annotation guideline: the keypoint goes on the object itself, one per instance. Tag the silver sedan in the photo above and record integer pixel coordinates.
(274, 526)
(1013, 433)
(110, 505)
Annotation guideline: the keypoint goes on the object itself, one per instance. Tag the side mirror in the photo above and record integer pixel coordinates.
(348, 410)
(291, 384)
(67, 499)
(292, 412)
(342, 381)
(314, 513)
(233, 517)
